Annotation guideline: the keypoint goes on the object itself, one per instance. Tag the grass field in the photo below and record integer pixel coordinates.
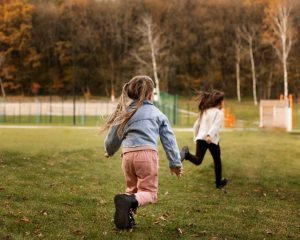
(56, 184)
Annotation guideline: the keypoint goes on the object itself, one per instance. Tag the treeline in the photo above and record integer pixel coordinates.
(93, 47)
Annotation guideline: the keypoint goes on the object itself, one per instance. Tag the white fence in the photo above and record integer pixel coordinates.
(64, 108)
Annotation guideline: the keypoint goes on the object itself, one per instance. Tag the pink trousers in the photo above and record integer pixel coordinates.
(141, 175)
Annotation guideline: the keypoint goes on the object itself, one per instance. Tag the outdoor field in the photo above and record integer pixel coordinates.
(56, 184)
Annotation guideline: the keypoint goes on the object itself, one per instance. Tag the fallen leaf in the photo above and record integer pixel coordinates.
(159, 223)
(269, 232)
(200, 234)
(25, 220)
(260, 210)
(264, 194)
(77, 232)
(214, 238)
(44, 212)
(192, 225)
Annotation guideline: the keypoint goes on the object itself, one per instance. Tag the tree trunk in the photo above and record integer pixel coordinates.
(269, 84)
(284, 63)
(2, 88)
(112, 76)
(150, 39)
(238, 82)
(253, 72)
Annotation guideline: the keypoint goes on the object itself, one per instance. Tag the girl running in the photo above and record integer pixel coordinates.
(137, 127)
(206, 133)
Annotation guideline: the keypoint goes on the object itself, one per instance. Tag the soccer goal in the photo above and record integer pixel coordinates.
(277, 113)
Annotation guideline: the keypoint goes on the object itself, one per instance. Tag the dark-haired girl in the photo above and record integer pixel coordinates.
(206, 132)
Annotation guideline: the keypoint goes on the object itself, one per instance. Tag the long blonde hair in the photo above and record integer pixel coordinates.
(138, 89)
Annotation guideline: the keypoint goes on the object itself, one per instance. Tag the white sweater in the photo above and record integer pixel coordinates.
(210, 123)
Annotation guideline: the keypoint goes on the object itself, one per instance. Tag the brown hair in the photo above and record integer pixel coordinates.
(138, 89)
(209, 99)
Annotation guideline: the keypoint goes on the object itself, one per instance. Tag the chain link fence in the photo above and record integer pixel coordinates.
(54, 110)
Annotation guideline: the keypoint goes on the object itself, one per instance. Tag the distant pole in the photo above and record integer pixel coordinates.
(2, 88)
(73, 75)
(74, 100)
(50, 108)
(37, 110)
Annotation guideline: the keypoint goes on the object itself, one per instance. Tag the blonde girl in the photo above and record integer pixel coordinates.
(136, 127)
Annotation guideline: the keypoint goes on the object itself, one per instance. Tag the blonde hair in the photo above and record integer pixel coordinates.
(138, 89)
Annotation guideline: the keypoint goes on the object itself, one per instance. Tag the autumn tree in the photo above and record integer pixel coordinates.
(87, 46)
(280, 32)
(153, 46)
(238, 49)
(17, 49)
(45, 37)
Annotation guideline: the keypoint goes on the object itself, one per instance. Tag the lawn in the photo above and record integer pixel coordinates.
(56, 184)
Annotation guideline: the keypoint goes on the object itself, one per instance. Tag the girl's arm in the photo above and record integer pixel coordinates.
(169, 143)
(217, 124)
(112, 141)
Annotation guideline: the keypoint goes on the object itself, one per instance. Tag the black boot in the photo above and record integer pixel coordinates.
(222, 183)
(184, 153)
(125, 206)
(133, 209)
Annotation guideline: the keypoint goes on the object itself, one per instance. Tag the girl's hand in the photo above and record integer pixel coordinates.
(177, 170)
(208, 139)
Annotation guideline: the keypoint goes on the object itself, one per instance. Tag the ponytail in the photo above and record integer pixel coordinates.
(138, 89)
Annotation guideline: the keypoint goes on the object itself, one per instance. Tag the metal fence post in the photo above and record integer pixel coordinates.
(174, 109)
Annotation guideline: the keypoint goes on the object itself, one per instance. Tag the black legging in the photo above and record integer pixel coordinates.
(215, 151)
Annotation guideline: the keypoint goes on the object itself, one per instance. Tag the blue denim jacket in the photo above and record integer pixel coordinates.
(142, 130)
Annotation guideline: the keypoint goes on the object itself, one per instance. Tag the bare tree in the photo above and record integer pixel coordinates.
(281, 33)
(152, 47)
(248, 34)
(238, 46)
(1, 83)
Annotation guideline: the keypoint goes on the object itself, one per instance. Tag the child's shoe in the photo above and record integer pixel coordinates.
(125, 206)
(184, 152)
(222, 183)
(132, 211)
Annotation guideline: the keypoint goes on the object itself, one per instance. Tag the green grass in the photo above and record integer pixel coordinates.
(52, 121)
(56, 184)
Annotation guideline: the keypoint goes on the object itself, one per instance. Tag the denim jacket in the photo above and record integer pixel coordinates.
(143, 130)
